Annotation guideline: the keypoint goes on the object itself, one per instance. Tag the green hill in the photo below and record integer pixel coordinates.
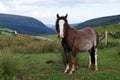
(24, 24)
(113, 28)
(102, 21)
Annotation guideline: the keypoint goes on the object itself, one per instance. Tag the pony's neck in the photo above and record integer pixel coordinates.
(69, 27)
(69, 30)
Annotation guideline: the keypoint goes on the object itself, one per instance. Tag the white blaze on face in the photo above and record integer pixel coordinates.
(61, 26)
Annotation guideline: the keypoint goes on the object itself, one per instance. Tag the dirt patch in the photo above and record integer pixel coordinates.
(50, 62)
(106, 70)
(46, 72)
(77, 67)
(111, 70)
(22, 76)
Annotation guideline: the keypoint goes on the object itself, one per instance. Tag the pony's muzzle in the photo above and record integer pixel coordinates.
(61, 35)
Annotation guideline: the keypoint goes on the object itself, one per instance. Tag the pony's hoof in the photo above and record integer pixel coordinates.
(89, 66)
(71, 72)
(96, 70)
(65, 72)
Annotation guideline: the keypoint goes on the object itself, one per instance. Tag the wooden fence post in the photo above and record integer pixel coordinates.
(106, 36)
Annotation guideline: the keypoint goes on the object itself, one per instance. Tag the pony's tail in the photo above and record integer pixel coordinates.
(92, 54)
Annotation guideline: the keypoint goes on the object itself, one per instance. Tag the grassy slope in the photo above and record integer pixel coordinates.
(5, 31)
(34, 66)
(113, 28)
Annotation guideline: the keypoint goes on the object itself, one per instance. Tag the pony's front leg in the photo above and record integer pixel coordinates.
(67, 62)
(73, 62)
(67, 68)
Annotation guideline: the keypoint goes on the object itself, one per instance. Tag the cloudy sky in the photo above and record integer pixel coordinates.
(46, 10)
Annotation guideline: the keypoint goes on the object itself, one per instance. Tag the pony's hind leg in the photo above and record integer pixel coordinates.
(93, 58)
(96, 65)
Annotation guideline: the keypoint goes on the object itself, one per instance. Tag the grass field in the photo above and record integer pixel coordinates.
(113, 28)
(25, 58)
(36, 66)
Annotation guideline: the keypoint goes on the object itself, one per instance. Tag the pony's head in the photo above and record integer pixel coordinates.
(60, 25)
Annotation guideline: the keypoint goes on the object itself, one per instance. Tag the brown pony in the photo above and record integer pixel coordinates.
(74, 40)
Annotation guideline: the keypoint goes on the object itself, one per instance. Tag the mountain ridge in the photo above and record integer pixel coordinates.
(101, 21)
(24, 24)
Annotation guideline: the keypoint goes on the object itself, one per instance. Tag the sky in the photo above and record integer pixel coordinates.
(46, 10)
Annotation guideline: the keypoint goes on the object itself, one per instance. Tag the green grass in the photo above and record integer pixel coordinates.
(6, 34)
(25, 58)
(49, 36)
(5, 31)
(113, 28)
(34, 66)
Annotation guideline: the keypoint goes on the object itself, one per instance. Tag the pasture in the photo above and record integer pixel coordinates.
(25, 58)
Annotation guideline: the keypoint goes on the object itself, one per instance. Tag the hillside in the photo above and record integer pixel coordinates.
(102, 21)
(23, 24)
(24, 58)
(5, 31)
(113, 28)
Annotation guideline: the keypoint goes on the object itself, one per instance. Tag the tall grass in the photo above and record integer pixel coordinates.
(9, 66)
(28, 45)
(109, 45)
(118, 49)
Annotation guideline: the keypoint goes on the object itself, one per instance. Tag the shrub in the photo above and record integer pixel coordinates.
(101, 45)
(9, 67)
(118, 49)
(109, 45)
(116, 35)
(112, 44)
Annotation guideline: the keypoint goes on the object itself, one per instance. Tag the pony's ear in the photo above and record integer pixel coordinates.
(66, 15)
(57, 15)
